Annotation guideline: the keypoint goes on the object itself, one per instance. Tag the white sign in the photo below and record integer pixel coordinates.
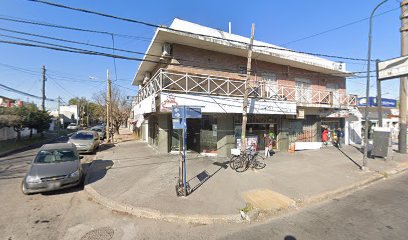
(393, 68)
(221, 104)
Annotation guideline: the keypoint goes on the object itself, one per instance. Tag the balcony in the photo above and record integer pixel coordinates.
(169, 81)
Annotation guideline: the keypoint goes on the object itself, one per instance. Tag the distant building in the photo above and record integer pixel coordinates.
(68, 114)
(9, 102)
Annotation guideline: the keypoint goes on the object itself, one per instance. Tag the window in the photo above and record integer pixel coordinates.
(242, 70)
(56, 155)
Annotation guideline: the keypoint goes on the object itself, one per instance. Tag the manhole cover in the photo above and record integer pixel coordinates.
(103, 233)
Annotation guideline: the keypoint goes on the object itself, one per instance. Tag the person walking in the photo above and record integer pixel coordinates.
(339, 134)
(325, 136)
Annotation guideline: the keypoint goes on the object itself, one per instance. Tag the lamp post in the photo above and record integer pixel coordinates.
(368, 86)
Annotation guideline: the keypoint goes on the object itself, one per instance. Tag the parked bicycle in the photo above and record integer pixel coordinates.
(247, 159)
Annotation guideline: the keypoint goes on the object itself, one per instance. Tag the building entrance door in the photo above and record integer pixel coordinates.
(193, 134)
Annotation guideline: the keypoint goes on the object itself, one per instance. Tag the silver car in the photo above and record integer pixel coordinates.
(85, 141)
(100, 130)
(56, 166)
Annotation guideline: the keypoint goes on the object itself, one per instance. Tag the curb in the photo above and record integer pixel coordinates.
(28, 147)
(229, 218)
(157, 215)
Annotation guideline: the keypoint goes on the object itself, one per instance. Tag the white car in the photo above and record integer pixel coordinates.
(73, 126)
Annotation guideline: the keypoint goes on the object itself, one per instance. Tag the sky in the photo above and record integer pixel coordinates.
(277, 22)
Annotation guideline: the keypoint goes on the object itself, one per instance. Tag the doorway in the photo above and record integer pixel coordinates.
(193, 134)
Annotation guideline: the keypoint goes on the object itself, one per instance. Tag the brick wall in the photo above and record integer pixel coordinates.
(201, 61)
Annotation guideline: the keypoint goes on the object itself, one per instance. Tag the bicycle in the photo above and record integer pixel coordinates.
(246, 159)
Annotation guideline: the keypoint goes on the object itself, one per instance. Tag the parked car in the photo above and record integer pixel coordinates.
(73, 126)
(100, 130)
(85, 141)
(56, 166)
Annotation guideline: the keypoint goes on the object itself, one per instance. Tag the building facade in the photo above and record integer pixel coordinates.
(291, 95)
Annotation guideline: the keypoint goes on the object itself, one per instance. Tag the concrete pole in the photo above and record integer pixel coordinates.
(59, 115)
(43, 88)
(379, 101)
(108, 103)
(402, 138)
(245, 104)
(368, 87)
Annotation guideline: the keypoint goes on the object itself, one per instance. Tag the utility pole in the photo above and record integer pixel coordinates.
(87, 114)
(368, 87)
(379, 100)
(59, 114)
(108, 108)
(402, 138)
(245, 104)
(43, 88)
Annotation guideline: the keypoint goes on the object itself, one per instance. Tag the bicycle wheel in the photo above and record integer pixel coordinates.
(232, 160)
(242, 164)
(259, 162)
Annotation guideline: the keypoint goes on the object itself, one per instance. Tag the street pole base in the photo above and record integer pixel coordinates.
(364, 168)
(182, 191)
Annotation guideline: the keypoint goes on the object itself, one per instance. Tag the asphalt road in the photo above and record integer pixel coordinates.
(379, 211)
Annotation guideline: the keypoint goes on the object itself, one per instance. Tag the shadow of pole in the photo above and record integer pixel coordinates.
(204, 176)
(352, 160)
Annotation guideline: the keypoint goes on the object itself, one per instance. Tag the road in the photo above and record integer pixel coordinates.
(379, 211)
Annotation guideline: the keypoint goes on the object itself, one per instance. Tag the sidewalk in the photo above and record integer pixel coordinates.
(132, 178)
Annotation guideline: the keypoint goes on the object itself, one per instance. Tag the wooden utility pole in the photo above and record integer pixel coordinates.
(43, 88)
(87, 114)
(108, 109)
(402, 138)
(248, 78)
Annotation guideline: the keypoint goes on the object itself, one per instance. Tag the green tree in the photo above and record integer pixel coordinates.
(15, 118)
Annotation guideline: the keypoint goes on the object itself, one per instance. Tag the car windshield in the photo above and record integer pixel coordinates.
(55, 155)
(72, 124)
(82, 136)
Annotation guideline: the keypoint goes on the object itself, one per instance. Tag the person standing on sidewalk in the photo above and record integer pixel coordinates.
(339, 134)
(325, 136)
(268, 144)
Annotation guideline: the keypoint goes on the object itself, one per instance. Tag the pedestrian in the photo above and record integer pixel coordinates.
(325, 136)
(268, 144)
(339, 134)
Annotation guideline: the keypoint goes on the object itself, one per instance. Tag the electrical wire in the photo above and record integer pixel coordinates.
(23, 93)
(187, 32)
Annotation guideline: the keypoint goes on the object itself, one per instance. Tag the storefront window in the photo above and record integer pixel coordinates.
(208, 134)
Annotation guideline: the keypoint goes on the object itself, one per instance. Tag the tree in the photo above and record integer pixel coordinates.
(121, 107)
(15, 118)
(88, 109)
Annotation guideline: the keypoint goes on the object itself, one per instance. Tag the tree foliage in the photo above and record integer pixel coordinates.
(28, 116)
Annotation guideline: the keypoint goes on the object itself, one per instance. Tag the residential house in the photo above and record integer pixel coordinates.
(291, 94)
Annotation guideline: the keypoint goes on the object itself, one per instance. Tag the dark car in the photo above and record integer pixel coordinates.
(56, 166)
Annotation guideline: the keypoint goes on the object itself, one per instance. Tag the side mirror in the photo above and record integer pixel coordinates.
(80, 156)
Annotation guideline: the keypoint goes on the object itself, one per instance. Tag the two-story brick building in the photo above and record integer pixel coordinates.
(291, 94)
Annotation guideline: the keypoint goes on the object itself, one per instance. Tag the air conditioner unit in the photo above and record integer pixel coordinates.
(166, 50)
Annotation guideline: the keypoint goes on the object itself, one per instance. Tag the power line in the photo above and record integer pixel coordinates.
(76, 42)
(186, 32)
(23, 93)
(87, 52)
(338, 27)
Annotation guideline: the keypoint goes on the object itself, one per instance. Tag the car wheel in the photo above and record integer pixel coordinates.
(23, 189)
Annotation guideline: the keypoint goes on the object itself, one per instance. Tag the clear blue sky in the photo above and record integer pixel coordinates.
(277, 22)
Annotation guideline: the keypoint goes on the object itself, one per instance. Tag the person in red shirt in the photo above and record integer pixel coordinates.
(325, 136)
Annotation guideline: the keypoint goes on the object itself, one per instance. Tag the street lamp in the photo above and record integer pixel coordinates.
(368, 86)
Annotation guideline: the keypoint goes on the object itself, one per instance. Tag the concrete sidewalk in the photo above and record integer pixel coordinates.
(130, 177)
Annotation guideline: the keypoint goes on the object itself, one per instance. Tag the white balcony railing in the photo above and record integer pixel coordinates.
(169, 81)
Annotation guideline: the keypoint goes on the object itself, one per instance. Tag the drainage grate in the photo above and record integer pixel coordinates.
(103, 233)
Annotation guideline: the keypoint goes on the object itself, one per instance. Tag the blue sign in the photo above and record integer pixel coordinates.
(178, 123)
(185, 112)
(372, 102)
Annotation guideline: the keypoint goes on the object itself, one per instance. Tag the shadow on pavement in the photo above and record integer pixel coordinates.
(98, 170)
(204, 176)
(352, 160)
